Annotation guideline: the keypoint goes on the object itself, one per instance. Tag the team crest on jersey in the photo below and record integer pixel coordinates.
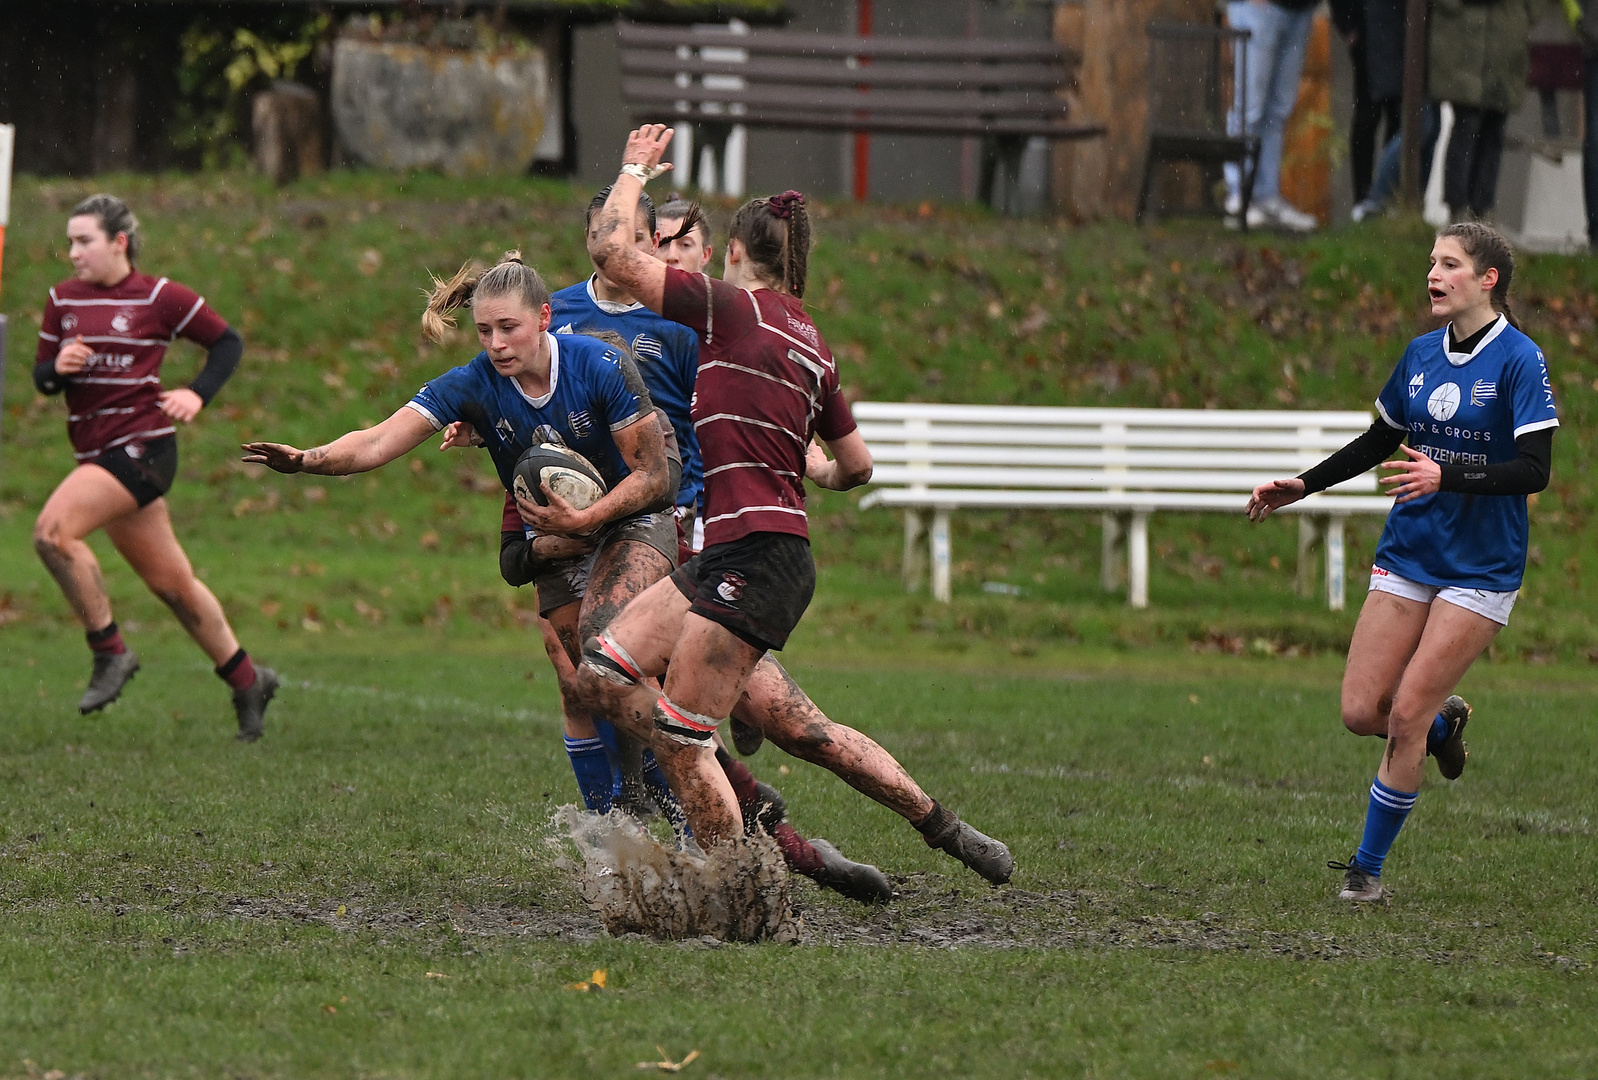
(505, 430)
(1444, 402)
(546, 433)
(69, 323)
(122, 322)
(648, 348)
(1416, 384)
(1483, 392)
(731, 588)
(567, 329)
(582, 424)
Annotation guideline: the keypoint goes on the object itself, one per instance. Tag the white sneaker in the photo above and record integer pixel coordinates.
(1287, 216)
(1234, 204)
(1363, 210)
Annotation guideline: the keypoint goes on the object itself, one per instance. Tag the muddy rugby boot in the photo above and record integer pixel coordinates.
(111, 673)
(747, 739)
(250, 704)
(766, 810)
(1452, 753)
(944, 830)
(857, 881)
(1359, 886)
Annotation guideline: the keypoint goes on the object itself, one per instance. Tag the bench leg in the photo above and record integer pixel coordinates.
(915, 566)
(1110, 571)
(1334, 562)
(940, 556)
(1309, 534)
(1138, 557)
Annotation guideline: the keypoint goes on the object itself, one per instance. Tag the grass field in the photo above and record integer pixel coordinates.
(1171, 781)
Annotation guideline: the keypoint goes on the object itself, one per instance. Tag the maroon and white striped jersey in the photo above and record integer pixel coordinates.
(767, 383)
(114, 399)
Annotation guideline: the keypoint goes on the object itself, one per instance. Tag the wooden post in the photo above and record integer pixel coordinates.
(1115, 92)
(287, 123)
(1414, 105)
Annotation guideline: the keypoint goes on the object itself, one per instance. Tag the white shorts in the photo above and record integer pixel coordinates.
(1489, 605)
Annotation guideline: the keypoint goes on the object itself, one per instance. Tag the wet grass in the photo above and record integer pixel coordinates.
(1171, 780)
(177, 903)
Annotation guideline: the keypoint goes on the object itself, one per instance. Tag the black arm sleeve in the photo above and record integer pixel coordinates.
(1528, 473)
(46, 379)
(516, 562)
(1365, 452)
(221, 361)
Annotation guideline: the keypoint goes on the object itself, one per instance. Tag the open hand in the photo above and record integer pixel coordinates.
(460, 434)
(559, 518)
(275, 456)
(646, 146)
(72, 357)
(181, 404)
(1273, 496)
(1418, 476)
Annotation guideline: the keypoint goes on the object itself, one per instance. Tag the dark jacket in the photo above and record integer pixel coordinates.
(1479, 55)
(1376, 28)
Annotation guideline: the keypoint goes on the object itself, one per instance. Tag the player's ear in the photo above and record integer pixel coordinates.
(1489, 280)
(543, 318)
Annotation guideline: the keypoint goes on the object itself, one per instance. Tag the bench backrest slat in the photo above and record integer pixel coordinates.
(842, 46)
(806, 72)
(933, 449)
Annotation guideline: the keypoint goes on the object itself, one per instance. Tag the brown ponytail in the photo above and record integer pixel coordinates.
(510, 277)
(1487, 249)
(775, 232)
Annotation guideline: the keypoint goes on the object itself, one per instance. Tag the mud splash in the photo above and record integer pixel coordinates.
(736, 892)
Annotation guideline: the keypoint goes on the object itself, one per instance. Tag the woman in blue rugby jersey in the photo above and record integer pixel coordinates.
(1475, 403)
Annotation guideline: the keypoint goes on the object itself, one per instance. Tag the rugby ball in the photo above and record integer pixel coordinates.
(568, 474)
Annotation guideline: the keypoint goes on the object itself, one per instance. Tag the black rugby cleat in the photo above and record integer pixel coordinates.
(111, 673)
(766, 810)
(1452, 753)
(857, 881)
(250, 704)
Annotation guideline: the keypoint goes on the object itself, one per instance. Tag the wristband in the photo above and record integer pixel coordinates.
(644, 173)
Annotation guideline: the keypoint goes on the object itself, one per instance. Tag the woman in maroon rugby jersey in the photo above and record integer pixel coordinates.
(767, 389)
(102, 340)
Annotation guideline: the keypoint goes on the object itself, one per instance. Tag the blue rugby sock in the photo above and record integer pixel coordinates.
(591, 765)
(660, 791)
(1438, 733)
(1388, 809)
(606, 731)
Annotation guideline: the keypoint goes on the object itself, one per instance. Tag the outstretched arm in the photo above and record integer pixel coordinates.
(610, 243)
(357, 452)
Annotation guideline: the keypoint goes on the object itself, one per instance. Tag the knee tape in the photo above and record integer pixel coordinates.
(680, 725)
(608, 660)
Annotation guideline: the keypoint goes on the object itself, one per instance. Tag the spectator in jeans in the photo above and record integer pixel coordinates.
(1584, 17)
(1479, 59)
(1279, 35)
(1374, 30)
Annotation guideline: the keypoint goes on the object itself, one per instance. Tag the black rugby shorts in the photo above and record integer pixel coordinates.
(145, 469)
(757, 587)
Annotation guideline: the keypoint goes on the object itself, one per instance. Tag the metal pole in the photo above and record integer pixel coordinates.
(1414, 104)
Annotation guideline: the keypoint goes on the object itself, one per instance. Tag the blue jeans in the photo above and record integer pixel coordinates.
(1390, 169)
(1589, 149)
(1279, 38)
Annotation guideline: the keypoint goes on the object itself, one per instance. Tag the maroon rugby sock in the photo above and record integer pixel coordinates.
(799, 852)
(108, 640)
(238, 672)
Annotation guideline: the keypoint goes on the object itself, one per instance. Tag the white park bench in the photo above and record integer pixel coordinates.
(1125, 463)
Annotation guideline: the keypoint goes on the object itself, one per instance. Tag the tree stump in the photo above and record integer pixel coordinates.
(287, 121)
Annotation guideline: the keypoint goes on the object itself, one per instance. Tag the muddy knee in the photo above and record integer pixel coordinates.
(1367, 717)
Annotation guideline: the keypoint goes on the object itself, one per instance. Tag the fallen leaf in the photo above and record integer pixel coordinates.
(371, 261)
(596, 981)
(436, 975)
(329, 1008)
(341, 910)
(665, 1064)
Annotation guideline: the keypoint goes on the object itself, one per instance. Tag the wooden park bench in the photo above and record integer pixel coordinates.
(1002, 91)
(1125, 463)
